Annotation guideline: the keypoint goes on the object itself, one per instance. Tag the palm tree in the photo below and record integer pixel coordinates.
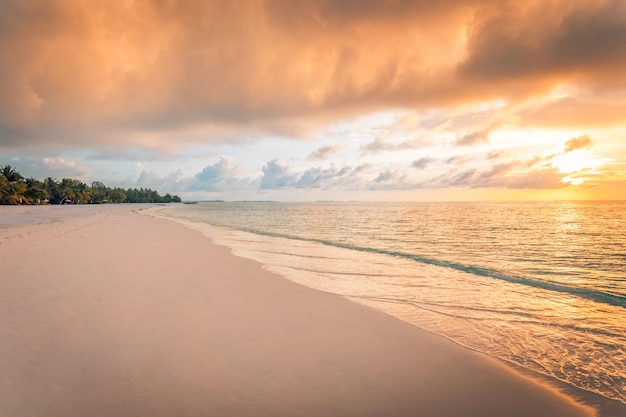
(36, 192)
(5, 189)
(13, 186)
(98, 192)
(68, 190)
(17, 189)
(11, 173)
(14, 189)
(51, 185)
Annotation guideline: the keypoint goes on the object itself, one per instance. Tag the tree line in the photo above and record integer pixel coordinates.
(15, 189)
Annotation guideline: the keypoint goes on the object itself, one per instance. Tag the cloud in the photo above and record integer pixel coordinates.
(224, 167)
(532, 173)
(221, 176)
(497, 154)
(127, 154)
(172, 182)
(500, 176)
(276, 176)
(496, 172)
(85, 73)
(51, 166)
(473, 138)
(548, 178)
(458, 159)
(150, 81)
(381, 144)
(390, 179)
(378, 145)
(75, 73)
(216, 177)
(422, 163)
(518, 174)
(384, 176)
(578, 112)
(319, 177)
(452, 178)
(579, 142)
(324, 152)
(542, 39)
(279, 176)
(225, 177)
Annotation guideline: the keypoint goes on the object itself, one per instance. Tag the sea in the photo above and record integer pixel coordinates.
(540, 285)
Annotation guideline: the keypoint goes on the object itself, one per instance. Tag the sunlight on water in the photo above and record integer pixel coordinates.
(539, 285)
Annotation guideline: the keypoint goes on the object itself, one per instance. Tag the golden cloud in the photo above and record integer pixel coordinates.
(81, 72)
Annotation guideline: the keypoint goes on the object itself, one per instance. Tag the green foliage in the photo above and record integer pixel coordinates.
(36, 191)
(11, 174)
(116, 195)
(98, 192)
(53, 189)
(4, 189)
(14, 189)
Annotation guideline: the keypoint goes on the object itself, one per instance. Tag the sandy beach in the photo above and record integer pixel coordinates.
(105, 311)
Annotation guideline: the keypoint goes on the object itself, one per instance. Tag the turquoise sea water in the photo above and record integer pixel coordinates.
(540, 285)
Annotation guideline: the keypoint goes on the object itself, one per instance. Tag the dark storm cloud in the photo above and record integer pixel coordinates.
(164, 74)
(535, 39)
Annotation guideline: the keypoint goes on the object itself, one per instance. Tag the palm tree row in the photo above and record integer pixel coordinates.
(15, 189)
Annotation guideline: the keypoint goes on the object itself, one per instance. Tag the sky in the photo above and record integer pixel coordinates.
(302, 100)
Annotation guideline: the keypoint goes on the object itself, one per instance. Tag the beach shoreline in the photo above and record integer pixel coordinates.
(603, 405)
(111, 312)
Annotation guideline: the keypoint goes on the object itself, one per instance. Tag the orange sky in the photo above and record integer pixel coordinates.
(397, 99)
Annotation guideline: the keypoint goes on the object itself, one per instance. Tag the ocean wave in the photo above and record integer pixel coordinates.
(594, 295)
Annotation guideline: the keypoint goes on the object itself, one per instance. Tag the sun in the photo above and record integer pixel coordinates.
(576, 161)
(578, 166)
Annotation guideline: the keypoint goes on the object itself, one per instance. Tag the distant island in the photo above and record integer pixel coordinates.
(15, 189)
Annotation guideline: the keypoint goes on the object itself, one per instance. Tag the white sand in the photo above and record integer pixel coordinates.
(107, 312)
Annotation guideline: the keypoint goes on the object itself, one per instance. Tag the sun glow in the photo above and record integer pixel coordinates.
(576, 161)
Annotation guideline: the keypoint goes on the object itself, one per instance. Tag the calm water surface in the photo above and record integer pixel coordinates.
(541, 285)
